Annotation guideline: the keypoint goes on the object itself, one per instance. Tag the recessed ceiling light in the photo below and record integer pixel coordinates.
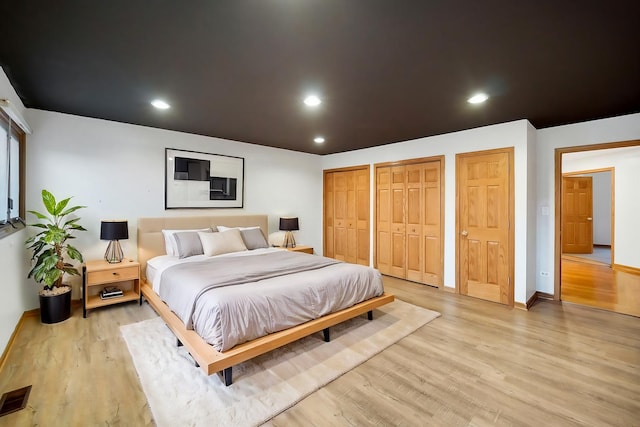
(478, 98)
(318, 140)
(312, 101)
(160, 104)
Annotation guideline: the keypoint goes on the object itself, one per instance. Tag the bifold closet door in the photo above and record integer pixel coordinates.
(362, 223)
(390, 226)
(414, 220)
(408, 221)
(346, 215)
(328, 237)
(432, 263)
(343, 210)
(383, 220)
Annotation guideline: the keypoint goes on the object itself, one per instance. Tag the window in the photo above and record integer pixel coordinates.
(12, 154)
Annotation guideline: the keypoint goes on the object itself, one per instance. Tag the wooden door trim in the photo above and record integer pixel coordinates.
(510, 153)
(406, 162)
(588, 171)
(558, 202)
(345, 169)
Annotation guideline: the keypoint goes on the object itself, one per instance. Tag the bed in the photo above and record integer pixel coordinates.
(217, 350)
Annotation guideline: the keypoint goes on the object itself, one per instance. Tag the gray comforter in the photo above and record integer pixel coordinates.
(230, 300)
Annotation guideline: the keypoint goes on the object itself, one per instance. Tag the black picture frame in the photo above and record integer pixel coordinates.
(197, 180)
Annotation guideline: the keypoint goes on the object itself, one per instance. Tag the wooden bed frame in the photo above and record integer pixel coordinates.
(151, 243)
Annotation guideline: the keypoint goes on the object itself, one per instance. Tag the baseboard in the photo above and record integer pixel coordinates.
(520, 306)
(32, 313)
(532, 300)
(544, 295)
(626, 269)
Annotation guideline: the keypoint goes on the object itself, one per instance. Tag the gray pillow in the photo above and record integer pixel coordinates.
(253, 238)
(188, 244)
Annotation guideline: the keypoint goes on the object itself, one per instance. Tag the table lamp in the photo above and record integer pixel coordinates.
(114, 231)
(289, 224)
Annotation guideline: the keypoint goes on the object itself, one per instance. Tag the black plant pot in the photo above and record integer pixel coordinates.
(54, 309)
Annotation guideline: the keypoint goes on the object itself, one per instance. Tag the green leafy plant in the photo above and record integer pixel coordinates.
(50, 245)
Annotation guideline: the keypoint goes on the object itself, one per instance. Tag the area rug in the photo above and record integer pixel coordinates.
(179, 394)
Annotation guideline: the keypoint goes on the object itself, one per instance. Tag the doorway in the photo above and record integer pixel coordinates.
(586, 268)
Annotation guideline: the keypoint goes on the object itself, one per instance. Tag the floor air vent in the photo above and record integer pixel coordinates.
(14, 400)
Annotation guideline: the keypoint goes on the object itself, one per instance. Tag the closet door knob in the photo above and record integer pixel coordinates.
(465, 233)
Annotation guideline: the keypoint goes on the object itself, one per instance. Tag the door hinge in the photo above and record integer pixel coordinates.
(508, 280)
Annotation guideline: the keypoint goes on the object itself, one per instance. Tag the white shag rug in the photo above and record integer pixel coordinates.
(180, 394)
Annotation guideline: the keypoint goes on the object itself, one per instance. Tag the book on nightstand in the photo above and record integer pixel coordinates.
(111, 292)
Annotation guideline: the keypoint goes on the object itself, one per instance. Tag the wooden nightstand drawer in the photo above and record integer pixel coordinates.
(115, 275)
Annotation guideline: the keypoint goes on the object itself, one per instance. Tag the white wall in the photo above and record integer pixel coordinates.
(16, 298)
(601, 208)
(624, 128)
(532, 135)
(513, 134)
(117, 171)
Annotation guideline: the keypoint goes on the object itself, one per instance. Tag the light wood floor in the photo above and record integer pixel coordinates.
(479, 364)
(597, 285)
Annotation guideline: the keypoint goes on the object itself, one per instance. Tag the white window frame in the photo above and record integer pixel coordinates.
(12, 219)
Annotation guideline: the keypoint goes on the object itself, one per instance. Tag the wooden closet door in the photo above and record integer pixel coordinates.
(340, 215)
(423, 223)
(409, 220)
(398, 219)
(383, 220)
(414, 221)
(432, 267)
(346, 214)
(362, 216)
(351, 218)
(329, 235)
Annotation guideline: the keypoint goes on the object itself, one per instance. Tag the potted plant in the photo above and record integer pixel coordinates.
(50, 248)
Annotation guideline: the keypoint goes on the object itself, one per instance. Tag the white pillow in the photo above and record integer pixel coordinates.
(223, 228)
(170, 245)
(223, 242)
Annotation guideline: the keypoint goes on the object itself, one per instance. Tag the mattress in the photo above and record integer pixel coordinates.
(229, 315)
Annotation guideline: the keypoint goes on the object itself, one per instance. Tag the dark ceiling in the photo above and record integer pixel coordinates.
(386, 70)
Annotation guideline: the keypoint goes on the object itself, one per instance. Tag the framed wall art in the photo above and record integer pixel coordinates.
(202, 180)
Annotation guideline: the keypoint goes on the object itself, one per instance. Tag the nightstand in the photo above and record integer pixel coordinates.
(96, 275)
(301, 248)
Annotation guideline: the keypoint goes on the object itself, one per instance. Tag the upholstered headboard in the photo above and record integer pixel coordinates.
(151, 240)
